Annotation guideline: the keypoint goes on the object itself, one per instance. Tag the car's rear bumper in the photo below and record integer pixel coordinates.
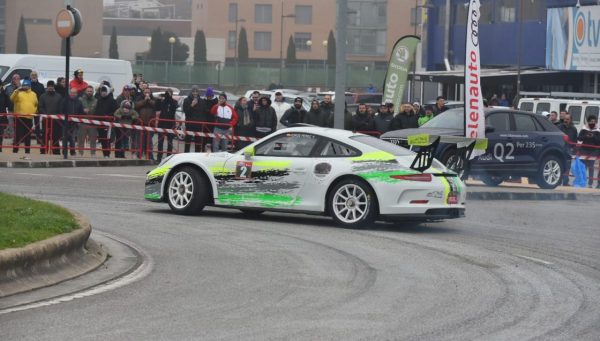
(432, 213)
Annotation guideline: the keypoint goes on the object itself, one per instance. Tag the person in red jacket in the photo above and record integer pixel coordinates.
(78, 82)
(225, 114)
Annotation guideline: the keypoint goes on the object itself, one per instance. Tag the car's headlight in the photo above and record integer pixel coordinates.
(165, 160)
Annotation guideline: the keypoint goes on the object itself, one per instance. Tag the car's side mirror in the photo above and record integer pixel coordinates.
(249, 152)
(489, 129)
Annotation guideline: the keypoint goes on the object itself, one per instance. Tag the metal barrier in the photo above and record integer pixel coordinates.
(589, 154)
(23, 129)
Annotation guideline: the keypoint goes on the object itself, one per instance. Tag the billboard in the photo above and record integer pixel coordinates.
(573, 38)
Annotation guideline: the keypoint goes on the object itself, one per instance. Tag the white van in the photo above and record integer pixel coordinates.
(581, 110)
(96, 70)
(539, 105)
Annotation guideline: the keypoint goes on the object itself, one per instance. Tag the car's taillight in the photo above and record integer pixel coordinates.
(413, 177)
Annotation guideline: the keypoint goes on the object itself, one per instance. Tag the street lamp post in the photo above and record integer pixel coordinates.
(281, 43)
(172, 42)
(325, 69)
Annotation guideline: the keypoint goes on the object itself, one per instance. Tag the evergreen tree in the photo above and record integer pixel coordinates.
(291, 52)
(243, 46)
(331, 49)
(199, 47)
(22, 38)
(181, 51)
(113, 49)
(156, 51)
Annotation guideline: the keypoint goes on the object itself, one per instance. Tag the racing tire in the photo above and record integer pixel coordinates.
(252, 213)
(352, 204)
(187, 191)
(492, 181)
(550, 173)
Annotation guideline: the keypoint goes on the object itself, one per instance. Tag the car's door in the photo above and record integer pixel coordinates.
(273, 176)
(527, 140)
(499, 153)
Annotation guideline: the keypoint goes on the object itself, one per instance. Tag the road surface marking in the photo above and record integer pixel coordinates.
(76, 177)
(123, 176)
(34, 174)
(140, 272)
(536, 260)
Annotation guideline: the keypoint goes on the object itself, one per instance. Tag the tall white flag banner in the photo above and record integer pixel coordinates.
(474, 115)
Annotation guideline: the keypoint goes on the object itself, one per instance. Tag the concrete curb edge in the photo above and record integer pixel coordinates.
(75, 163)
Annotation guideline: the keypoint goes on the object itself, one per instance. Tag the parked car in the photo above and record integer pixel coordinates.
(520, 144)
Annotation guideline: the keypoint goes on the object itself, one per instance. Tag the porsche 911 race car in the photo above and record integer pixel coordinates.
(352, 177)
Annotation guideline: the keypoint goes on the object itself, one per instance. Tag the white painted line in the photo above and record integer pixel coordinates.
(536, 260)
(33, 174)
(76, 177)
(123, 176)
(142, 271)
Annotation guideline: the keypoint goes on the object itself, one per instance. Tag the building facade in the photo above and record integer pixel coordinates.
(39, 18)
(373, 26)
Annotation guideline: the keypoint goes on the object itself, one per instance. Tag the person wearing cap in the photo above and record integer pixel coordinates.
(196, 110)
(71, 105)
(426, 117)
(265, 118)
(226, 117)
(294, 115)
(281, 107)
(127, 94)
(126, 114)
(25, 107)
(78, 83)
(383, 119)
(546, 115)
(50, 104)
(105, 106)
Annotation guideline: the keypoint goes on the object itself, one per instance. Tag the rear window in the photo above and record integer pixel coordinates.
(381, 145)
(542, 106)
(524, 123)
(526, 106)
(575, 111)
(591, 111)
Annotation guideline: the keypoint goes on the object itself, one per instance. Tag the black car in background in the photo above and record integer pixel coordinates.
(520, 144)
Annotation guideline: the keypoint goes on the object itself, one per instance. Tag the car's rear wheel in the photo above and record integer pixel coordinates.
(550, 173)
(352, 204)
(187, 191)
(492, 181)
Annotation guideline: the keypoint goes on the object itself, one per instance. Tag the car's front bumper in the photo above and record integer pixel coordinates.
(152, 189)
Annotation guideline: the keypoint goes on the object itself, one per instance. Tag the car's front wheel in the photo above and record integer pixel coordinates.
(187, 191)
(550, 173)
(352, 204)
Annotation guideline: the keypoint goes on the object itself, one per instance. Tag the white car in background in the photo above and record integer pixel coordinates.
(354, 178)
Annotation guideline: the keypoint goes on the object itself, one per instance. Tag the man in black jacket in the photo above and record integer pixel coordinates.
(265, 118)
(362, 121)
(383, 120)
(406, 118)
(105, 106)
(196, 109)
(569, 129)
(71, 106)
(295, 114)
(167, 106)
(4, 101)
(49, 104)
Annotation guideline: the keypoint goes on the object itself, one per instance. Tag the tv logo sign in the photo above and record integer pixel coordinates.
(587, 27)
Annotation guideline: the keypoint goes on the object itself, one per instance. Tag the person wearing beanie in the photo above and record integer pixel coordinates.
(226, 117)
(295, 114)
(265, 118)
(105, 106)
(78, 83)
(25, 104)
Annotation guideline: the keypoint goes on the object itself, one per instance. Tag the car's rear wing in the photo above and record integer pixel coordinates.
(427, 145)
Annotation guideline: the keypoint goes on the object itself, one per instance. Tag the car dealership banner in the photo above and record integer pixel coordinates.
(573, 38)
(401, 59)
(474, 115)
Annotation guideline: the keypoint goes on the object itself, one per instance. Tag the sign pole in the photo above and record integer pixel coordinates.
(66, 121)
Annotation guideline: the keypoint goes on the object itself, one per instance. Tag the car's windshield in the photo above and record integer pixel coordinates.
(382, 145)
(450, 119)
(3, 70)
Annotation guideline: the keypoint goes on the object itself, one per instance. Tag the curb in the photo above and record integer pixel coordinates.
(75, 163)
(50, 261)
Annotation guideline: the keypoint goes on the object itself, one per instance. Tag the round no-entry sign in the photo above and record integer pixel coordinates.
(68, 22)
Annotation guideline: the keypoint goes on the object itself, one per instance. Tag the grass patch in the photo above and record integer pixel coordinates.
(24, 221)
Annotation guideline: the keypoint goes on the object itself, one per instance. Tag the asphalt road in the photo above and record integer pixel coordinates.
(509, 271)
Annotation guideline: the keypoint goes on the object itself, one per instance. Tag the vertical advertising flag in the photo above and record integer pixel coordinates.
(474, 115)
(402, 56)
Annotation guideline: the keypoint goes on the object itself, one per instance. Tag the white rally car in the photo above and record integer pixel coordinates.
(355, 178)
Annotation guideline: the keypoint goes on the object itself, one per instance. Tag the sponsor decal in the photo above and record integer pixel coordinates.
(474, 115)
(322, 169)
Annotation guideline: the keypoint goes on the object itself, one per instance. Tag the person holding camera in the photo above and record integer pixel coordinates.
(166, 120)
(196, 110)
(126, 115)
(25, 107)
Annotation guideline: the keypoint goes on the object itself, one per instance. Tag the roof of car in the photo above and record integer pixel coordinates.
(330, 132)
